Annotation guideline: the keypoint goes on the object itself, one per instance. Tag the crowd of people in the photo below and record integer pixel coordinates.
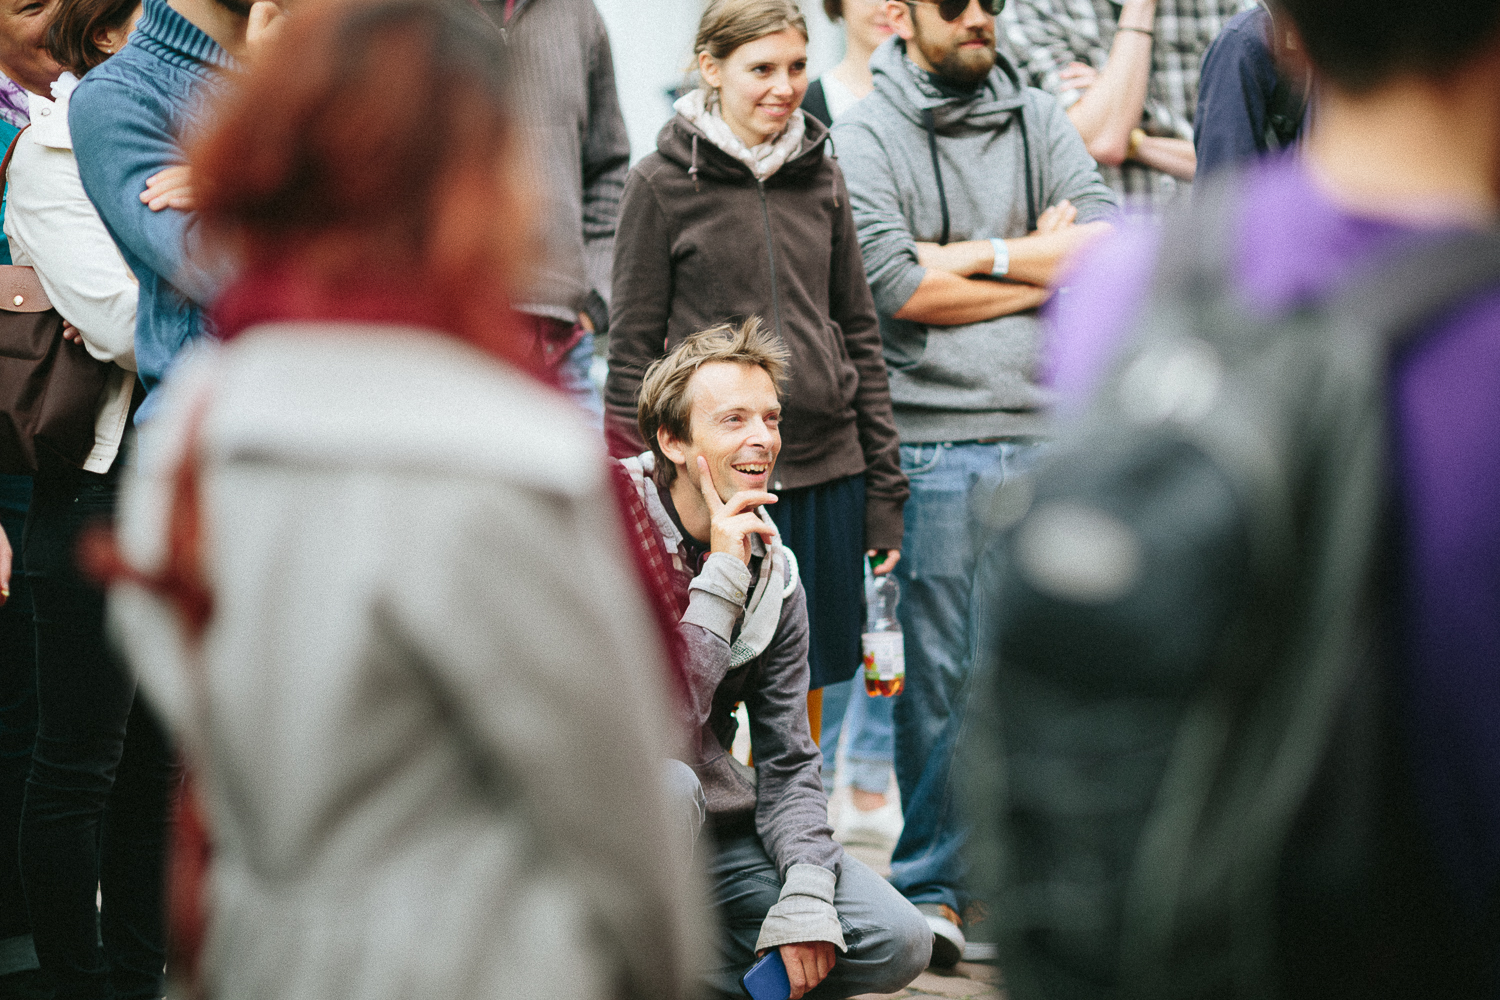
(441, 646)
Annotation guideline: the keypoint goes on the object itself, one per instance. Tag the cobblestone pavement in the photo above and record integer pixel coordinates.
(966, 981)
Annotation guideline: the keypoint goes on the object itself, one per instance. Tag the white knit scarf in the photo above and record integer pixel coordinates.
(763, 610)
(701, 107)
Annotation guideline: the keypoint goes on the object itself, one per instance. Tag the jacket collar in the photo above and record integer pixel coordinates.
(676, 142)
(167, 34)
(989, 105)
(700, 106)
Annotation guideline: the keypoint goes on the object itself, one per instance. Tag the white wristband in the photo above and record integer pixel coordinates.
(1002, 258)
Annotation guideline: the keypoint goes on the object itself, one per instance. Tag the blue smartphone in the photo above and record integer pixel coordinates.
(767, 979)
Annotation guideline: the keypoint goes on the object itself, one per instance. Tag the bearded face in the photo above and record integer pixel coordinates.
(960, 52)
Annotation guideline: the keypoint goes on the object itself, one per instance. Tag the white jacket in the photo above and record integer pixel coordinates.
(430, 706)
(53, 227)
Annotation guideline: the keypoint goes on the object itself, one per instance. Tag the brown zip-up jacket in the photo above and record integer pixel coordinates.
(701, 242)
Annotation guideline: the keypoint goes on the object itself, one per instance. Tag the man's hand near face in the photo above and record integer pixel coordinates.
(731, 524)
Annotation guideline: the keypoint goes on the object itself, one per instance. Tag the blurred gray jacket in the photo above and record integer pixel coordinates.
(995, 146)
(429, 712)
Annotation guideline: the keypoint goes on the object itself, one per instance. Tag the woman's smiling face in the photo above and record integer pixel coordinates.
(23, 30)
(760, 84)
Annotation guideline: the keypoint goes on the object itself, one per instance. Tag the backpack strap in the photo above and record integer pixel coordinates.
(1397, 296)
(1196, 260)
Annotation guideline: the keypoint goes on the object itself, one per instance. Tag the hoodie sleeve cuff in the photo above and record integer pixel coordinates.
(805, 911)
(883, 523)
(717, 595)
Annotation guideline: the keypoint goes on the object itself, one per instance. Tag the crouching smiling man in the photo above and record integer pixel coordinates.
(710, 412)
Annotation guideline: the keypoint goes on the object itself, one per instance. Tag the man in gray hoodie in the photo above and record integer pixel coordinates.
(969, 192)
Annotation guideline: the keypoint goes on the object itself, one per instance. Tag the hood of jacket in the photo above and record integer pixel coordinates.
(999, 96)
(684, 144)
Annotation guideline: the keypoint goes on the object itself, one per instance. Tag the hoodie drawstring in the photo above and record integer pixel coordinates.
(833, 176)
(1026, 152)
(930, 120)
(693, 167)
(937, 169)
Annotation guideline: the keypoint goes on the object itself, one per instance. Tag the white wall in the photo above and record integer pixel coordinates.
(652, 41)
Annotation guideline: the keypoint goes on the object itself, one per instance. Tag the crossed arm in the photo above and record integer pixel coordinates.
(1112, 100)
(955, 289)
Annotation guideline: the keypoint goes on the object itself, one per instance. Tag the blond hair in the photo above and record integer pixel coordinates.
(665, 402)
(728, 24)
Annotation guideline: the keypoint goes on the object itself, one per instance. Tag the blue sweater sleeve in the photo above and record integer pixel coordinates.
(121, 140)
(1234, 90)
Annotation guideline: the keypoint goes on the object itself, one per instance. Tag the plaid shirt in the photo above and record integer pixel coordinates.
(1046, 35)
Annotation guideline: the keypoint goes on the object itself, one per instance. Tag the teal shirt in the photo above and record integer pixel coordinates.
(7, 133)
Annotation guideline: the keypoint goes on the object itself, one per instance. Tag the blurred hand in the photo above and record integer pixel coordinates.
(267, 21)
(1077, 76)
(71, 334)
(892, 557)
(1057, 218)
(170, 188)
(732, 524)
(807, 964)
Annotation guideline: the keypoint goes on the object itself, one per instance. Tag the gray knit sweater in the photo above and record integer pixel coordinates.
(563, 79)
(958, 383)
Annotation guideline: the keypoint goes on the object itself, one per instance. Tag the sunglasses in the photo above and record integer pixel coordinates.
(952, 10)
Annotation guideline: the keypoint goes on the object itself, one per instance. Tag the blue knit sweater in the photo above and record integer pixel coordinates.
(127, 118)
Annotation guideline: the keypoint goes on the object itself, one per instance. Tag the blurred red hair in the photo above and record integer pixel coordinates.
(359, 172)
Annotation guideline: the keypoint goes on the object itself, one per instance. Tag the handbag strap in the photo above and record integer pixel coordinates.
(9, 152)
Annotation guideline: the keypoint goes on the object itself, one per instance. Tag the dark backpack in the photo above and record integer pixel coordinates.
(1184, 776)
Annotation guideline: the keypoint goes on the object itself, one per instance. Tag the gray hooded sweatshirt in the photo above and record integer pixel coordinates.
(992, 146)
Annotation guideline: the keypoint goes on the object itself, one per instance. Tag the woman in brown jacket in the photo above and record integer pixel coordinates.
(742, 211)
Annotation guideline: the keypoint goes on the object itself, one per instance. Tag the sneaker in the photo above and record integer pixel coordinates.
(981, 951)
(947, 934)
(875, 828)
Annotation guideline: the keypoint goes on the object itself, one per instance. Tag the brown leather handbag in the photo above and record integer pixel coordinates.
(50, 388)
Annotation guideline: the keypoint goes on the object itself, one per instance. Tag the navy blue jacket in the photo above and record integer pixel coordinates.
(127, 118)
(1235, 89)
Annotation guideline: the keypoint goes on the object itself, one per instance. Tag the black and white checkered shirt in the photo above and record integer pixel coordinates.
(1044, 36)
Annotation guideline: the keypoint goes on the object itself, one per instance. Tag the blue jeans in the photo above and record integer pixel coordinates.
(865, 723)
(952, 482)
(889, 943)
(573, 377)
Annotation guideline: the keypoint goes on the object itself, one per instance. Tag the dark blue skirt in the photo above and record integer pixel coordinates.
(824, 526)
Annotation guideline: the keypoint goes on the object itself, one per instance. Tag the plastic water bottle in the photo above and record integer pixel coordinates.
(884, 651)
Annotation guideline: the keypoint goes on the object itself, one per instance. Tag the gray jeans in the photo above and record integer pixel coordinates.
(889, 941)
